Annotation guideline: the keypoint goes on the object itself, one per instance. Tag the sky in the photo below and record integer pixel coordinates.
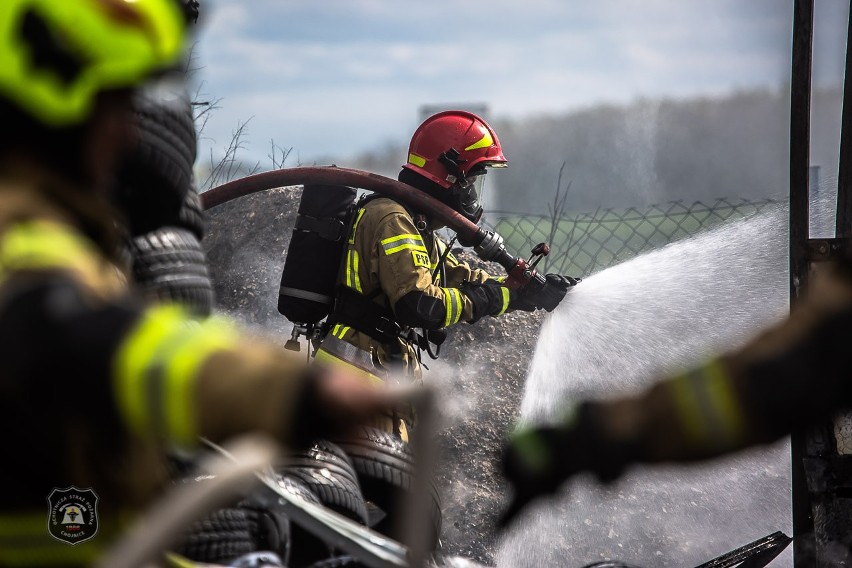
(334, 78)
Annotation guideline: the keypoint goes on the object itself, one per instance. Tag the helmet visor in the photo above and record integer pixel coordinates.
(467, 196)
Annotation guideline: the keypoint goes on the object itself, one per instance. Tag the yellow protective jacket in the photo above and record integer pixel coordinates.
(391, 263)
(93, 384)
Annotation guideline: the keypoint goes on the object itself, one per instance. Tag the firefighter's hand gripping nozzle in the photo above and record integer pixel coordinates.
(530, 289)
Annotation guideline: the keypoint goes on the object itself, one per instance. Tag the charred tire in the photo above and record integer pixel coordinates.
(385, 468)
(304, 548)
(156, 177)
(191, 215)
(327, 471)
(338, 562)
(381, 459)
(269, 530)
(297, 489)
(170, 265)
(219, 538)
(167, 138)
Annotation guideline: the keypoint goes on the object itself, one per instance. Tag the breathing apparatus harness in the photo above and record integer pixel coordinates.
(488, 245)
(362, 313)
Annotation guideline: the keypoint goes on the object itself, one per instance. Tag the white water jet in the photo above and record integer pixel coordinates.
(615, 333)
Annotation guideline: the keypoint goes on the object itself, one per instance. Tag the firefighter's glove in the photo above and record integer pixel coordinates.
(547, 297)
(489, 298)
(537, 460)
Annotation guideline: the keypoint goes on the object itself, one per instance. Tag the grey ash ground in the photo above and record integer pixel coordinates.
(480, 372)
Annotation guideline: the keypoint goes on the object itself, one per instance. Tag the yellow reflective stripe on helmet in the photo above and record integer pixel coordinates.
(707, 406)
(118, 44)
(156, 368)
(505, 292)
(355, 225)
(418, 161)
(483, 142)
(403, 242)
(353, 280)
(39, 245)
(452, 298)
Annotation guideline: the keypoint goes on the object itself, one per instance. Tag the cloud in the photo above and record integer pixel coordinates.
(363, 67)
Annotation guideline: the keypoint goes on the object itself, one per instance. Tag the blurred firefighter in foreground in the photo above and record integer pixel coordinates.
(398, 276)
(784, 380)
(94, 384)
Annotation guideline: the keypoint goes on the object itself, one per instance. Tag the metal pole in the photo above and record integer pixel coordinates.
(844, 174)
(800, 106)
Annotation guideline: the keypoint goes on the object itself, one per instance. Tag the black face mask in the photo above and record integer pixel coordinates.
(467, 199)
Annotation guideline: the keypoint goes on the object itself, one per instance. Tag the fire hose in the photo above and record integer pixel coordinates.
(488, 245)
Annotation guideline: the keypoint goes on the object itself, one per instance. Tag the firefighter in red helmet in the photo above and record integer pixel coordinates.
(448, 153)
(400, 277)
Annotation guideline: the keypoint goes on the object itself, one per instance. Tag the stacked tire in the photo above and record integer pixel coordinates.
(252, 526)
(325, 470)
(164, 213)
(221, 537)
(169, 265)
(384, 464)
(153, 182)
(329, 474)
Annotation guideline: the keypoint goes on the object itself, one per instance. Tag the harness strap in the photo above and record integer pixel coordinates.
(329, 228)
(363, 314)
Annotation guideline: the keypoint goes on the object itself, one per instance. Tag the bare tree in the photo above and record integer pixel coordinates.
(229, 166)
(557, 212)
(278, 155)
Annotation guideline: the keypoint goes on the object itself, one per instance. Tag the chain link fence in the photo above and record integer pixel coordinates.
(588, 242)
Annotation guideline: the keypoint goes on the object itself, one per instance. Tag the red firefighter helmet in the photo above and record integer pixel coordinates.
(453, 145)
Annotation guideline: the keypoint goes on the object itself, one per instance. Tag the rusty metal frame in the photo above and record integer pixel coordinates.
(811, 451)
(800, 109)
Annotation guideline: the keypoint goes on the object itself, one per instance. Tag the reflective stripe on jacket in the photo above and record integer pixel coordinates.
(387, 259)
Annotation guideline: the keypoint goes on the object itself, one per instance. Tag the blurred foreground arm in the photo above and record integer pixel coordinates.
(786, 379)
(216, 383)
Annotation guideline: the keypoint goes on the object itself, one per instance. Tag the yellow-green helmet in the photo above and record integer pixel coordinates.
(57, 55)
